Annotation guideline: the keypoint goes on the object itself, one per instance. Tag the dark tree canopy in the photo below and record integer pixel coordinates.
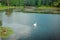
(31, 2)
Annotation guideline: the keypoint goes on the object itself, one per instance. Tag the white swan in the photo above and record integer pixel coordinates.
(35, 25)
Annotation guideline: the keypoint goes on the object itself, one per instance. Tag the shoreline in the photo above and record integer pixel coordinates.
(52, 10)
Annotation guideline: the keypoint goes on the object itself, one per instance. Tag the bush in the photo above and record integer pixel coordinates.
(56, 4)
(5, 31)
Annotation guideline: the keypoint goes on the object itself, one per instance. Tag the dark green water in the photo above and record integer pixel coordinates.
(47, 26)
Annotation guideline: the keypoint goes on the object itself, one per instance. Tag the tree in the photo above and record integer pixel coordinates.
(39, 2)
(7, 2)
(57, 4)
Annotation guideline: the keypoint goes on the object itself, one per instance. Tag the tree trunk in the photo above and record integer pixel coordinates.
(7, 2)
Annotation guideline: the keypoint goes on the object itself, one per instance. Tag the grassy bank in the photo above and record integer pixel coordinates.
(42, 9)
(31, 9)
(7, 7)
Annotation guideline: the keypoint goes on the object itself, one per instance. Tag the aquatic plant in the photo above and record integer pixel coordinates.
(5, 32)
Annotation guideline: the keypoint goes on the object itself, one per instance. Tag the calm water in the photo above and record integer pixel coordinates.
(31, 26)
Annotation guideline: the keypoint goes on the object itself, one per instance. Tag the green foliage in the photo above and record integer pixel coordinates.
(31, 2)
(0, 4)
(57, 4)
(39, 2)
(21, 2)
(5, 32)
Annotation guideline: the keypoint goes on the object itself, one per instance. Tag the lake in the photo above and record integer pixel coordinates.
(31, 26)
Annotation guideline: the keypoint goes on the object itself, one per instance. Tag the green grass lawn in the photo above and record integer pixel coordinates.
(7, 7)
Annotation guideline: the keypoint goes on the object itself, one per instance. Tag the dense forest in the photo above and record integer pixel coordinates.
(31, 2)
